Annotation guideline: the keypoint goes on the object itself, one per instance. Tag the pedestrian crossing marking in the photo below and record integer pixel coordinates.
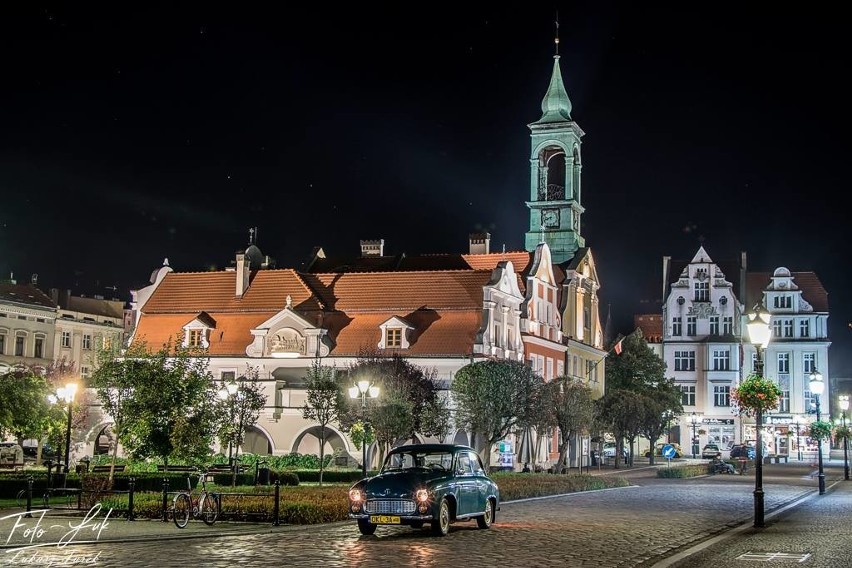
(770, 556)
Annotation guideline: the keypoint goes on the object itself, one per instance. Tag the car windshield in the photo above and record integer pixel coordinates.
(418, 459)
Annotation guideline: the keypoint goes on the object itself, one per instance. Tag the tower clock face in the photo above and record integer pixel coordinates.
(550, 217)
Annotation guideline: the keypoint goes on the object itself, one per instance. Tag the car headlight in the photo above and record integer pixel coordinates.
(355, 495)
(422, 495)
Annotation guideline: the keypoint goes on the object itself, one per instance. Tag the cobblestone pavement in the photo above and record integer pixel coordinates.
(634, 526)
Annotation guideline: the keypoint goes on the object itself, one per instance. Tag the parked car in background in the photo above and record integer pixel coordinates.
(609, 451)
(711, 451)
(739, 451)
(437, 484)
(658, 449)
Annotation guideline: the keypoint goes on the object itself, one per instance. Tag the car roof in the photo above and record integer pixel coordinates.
(431, 448)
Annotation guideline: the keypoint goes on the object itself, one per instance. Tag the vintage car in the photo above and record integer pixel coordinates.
(437, 484)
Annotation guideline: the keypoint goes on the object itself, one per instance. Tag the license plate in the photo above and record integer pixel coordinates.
(384, 520)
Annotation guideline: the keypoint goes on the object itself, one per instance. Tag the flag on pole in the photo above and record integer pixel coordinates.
(618, 347)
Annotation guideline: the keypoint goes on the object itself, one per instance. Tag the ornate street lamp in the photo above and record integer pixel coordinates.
(817, 387)
(227, 394)
(844, 406)
(759, 333)
(694, 419)
(363, 389)
(65, 394)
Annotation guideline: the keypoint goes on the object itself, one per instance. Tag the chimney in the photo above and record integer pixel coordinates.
(243, 272)
(480, 243)
(743, 283)
(373, 248)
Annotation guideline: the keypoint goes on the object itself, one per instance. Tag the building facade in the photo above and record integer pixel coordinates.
(27, 326)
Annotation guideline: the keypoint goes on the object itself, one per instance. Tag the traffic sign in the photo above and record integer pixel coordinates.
(669, 451)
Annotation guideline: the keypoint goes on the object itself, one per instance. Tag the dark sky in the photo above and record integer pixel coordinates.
(130, 136)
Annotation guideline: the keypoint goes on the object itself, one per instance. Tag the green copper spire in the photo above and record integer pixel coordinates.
(556, 106)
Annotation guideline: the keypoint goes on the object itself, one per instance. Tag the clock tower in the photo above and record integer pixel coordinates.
(554, 204)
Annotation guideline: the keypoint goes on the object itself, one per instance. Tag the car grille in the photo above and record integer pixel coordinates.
(390, 506)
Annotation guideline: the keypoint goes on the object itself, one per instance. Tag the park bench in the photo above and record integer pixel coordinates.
(12, 465)
(104, 468)
(176, 468)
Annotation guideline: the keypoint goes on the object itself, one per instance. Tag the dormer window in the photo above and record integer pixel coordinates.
(197, 332)
(196, 336)
(395, 334)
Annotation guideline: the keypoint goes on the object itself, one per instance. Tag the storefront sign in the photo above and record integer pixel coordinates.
(717, 421)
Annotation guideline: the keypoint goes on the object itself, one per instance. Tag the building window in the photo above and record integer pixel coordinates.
(788, 328)
(393, 338)
(677, 326)
(810, 402)
(776, 328)
(784, 401)
(783, 302)
(687, 395)
(808, 363)
(22, 318)
(721, 361)
(2, 344)
(783, 363)
(684, 360)
(804, 328)
(84, 372)
(722, 395)
(560, 368)
(195, 337)
(690, 326)
(702, 291)
(727, 325)
(87, 342)
(107, 343)
(19, 346)
(714, 325)
(39, 347)
(66, 339)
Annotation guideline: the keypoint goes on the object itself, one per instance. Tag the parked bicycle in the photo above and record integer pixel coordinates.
(201, 503)
(59, 496)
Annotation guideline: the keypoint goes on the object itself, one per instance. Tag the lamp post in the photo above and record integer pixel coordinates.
(65, 394)
(226, 394)
(693, 420)
(817, 387)
(798, 421)
(363, 389)
(759, 334)
(844, 406)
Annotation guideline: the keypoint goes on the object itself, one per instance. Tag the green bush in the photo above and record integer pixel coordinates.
(525, 485)
(332, 475)
(683, 471)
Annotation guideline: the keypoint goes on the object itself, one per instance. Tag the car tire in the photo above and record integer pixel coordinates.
(484, 521)
(366, 527)
(441, 525)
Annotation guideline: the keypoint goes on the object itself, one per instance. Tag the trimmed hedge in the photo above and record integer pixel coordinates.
(683, 471)
(332, 476)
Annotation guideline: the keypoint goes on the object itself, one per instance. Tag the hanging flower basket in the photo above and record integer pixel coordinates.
(842, 432)
(819, 430)
(755, 393)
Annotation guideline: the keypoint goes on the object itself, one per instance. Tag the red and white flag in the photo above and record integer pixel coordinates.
(618, 349)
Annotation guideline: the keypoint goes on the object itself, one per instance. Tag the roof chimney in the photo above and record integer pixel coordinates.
(243, 272)
(373, 248)
(480, 243)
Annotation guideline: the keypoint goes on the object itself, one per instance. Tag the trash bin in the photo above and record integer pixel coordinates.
(263, 476)
(595, 458)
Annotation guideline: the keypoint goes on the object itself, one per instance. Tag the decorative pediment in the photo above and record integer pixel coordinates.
(288, 335)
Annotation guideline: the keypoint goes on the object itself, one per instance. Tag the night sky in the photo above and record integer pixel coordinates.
(130, 136)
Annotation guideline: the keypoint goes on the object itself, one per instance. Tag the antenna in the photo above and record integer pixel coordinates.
(556, 41)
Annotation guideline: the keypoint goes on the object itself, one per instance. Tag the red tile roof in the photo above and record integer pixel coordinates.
(25, 294)
(812, 289)
(521, 260)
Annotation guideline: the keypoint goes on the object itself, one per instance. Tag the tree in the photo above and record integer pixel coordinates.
(114, 381)
(493, 398)
(390, 420)
(240, 405)
(324, 403)
(173, 411)
(620, 412)
(570, 410)
(24, 409)
(657, 409)
(436, 418)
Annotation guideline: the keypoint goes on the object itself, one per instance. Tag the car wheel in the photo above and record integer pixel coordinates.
(441, 526)
(366, 527)
(487, 517)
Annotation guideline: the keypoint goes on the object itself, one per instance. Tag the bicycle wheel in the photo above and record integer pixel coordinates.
(209, 508)
(181, 510)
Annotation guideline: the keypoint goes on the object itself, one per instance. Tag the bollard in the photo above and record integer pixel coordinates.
(165, 499)
(130, 485)
(275, 507)
(29, 497)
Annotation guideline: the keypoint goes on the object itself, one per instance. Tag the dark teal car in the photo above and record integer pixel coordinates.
(437, 484)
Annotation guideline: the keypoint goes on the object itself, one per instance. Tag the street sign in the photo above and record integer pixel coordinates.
(669, 451)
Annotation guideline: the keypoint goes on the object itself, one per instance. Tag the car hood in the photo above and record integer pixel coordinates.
(401, 484)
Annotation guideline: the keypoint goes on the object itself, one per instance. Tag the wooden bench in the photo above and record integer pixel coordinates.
(176, 469)
(12, 466)
(105, 468)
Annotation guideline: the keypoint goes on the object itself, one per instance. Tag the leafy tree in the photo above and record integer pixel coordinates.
(173, 411)
(24, 409)
(619, 412)
(324, 403)
(570, 408)
(657, 409)
(494, 398)
(436, 418)
(391, 419)
(239, 408)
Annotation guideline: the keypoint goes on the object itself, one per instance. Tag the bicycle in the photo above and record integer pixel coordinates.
(204, 504)
(65, 497)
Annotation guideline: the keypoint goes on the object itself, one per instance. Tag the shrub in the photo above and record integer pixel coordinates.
(525, 485)
(682, 471)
